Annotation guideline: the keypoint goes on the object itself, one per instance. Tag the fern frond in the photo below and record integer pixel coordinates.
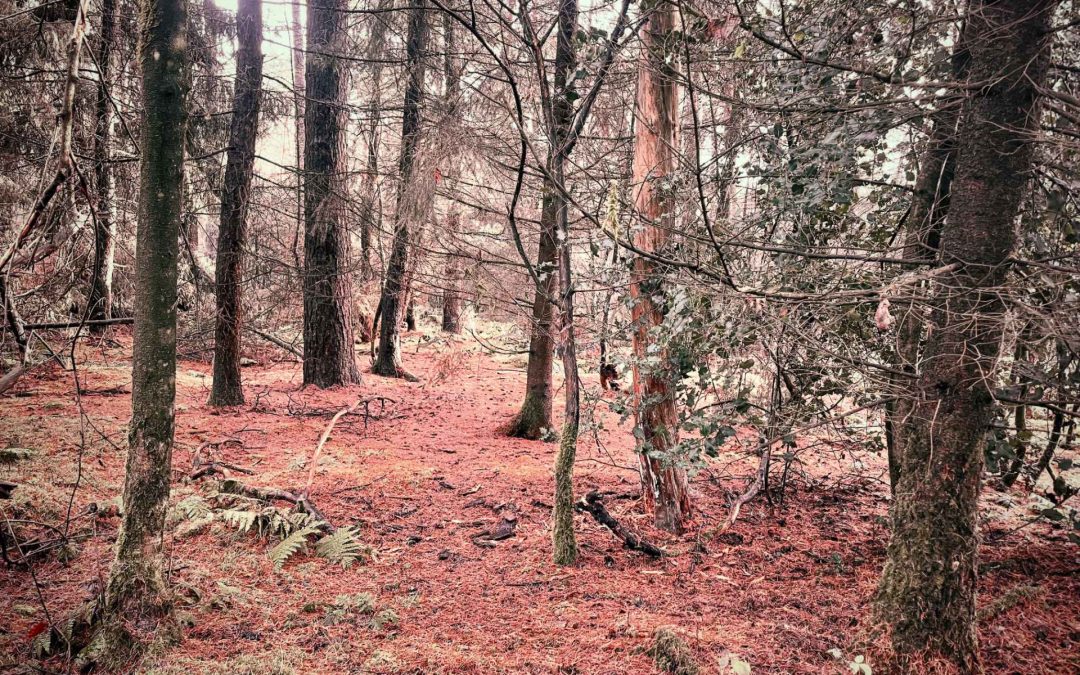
(343, 546)
(192, 507)
(239, 519)
(281, 553)
(41, 646)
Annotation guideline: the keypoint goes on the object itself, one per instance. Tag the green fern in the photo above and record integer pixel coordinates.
(243, 521)
(290, 545)
(192, 507)
(343, 547)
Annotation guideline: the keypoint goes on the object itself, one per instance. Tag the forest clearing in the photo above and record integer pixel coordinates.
(540, 336)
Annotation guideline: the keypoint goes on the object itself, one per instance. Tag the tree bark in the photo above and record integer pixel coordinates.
(927, 593)
(136, 604)
(369, 214)
(663, 480)
(451, 309)
(235, 197)
(411, 204)
(100, 299)
(565, 544)
(535, 414)
(329, 356)
(299, 94)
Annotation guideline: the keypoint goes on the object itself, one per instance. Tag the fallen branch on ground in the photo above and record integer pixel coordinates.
(366, 402)
(302, 503)
(592, 504)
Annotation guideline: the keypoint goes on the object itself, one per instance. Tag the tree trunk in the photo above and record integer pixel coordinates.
(929, 207)
(299, 93)
(369, 214)
(235, 196)
(451, 316)
(411, 204)
(535, 414)
(565, 545)
(663, 481)
(329, 356)
(100, 298)
(135, 599)
(927, 591)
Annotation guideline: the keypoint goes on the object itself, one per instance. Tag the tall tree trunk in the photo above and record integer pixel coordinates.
(663, 481)
(235, 197)
(411, 203)
(565, 545)
(922, 235)
(369, 214)
(299, 94)
(135, 597)
(927, 591)
(451, 315)
(100, 299)
(329, 355)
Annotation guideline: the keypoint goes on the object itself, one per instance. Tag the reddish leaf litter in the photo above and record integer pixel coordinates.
(787, 589)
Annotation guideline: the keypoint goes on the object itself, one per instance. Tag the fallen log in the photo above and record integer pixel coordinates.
(591, 503)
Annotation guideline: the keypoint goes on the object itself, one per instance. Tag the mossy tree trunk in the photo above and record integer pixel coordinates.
(235, 196)
(663, 481)
(100, 300)
(411, 202)
(329, 355)
(565, 544)
(927, 592)
(136, 602)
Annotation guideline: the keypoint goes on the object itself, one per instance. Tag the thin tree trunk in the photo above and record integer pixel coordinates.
(100, 298)
(299, 93)
(411, 204)
(663, 481)
(235, 197)
(329, 355)
(369, 202)
(451, 314)
(927, 591)
(136, 605)
(565, 544)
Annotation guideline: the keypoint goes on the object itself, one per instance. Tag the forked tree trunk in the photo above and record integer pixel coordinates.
(663, 481)
(235, 196)
(136, 604)
(100, 300)
(329, 356)
(927, 592)
(410, 208)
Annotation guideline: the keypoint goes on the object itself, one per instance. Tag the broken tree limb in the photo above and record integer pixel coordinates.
(60, 325)
(751, 491)
(366, 402)
(591, 503)
(276, 341)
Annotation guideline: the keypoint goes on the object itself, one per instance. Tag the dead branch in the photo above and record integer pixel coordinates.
(276, 341)
(366, 403)
(593, 505)
(302, 504)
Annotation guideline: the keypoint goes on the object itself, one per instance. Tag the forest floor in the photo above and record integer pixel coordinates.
(787, 589)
